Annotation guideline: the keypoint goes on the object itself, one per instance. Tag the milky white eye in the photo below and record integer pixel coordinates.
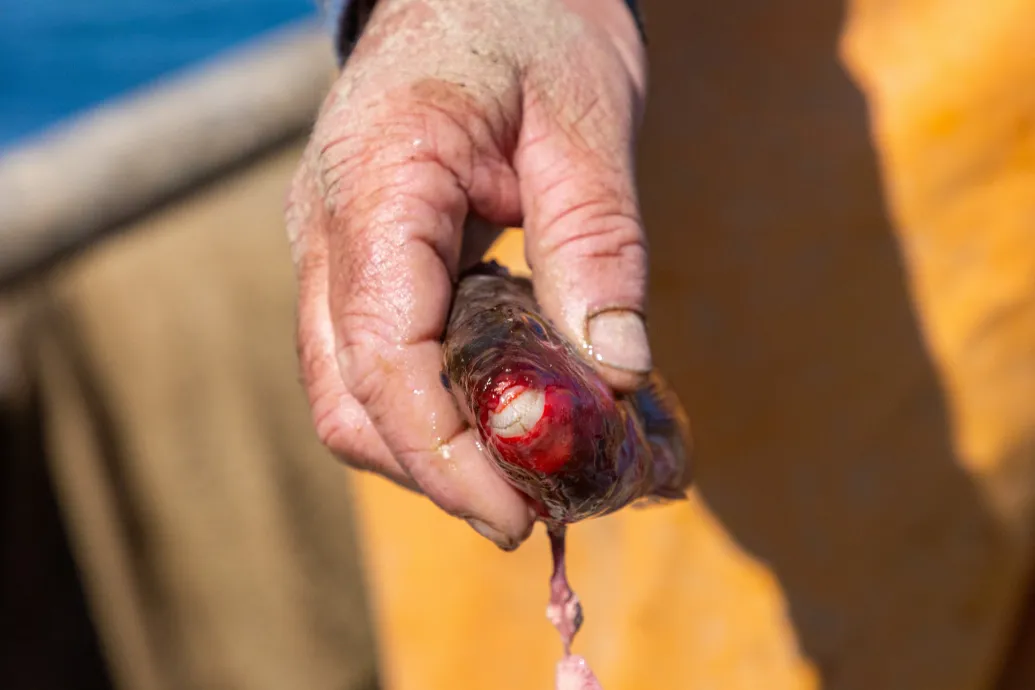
(520, 415)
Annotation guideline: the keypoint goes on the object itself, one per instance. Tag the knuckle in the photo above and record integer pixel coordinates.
(398, 182)
(407, 196)
(429, 120)
(357, 143)
(468, 105)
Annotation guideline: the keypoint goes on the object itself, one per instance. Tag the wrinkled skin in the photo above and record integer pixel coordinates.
(514, 112)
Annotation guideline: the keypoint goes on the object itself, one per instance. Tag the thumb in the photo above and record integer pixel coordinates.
(584, 237)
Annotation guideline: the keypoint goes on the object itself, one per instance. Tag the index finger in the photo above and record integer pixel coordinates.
(395, 246)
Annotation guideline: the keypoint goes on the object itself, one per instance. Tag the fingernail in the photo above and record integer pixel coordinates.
(618, 339)
(493, 535)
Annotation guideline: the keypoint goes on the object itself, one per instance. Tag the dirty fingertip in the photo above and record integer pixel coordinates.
(617, 341)
(504, 541)
(494, 535)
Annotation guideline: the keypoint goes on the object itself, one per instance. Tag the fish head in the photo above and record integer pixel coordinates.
(548, 421)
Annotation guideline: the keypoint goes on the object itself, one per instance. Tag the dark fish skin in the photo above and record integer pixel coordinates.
(594, 452)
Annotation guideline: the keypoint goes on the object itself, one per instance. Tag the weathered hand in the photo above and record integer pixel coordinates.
(520, 112)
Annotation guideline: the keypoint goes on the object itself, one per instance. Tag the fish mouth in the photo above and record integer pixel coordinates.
(519, 409)
(528, 418)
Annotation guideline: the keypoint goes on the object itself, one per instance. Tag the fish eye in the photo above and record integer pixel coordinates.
(536, 326)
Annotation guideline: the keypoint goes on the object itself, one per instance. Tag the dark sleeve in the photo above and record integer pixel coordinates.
(348, 17)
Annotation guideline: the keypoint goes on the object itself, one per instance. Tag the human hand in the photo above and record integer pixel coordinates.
(515, 112)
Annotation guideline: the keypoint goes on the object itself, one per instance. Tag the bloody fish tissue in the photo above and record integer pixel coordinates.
(554, 429)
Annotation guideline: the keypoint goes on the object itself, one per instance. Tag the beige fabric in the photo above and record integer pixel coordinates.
(214, 534)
